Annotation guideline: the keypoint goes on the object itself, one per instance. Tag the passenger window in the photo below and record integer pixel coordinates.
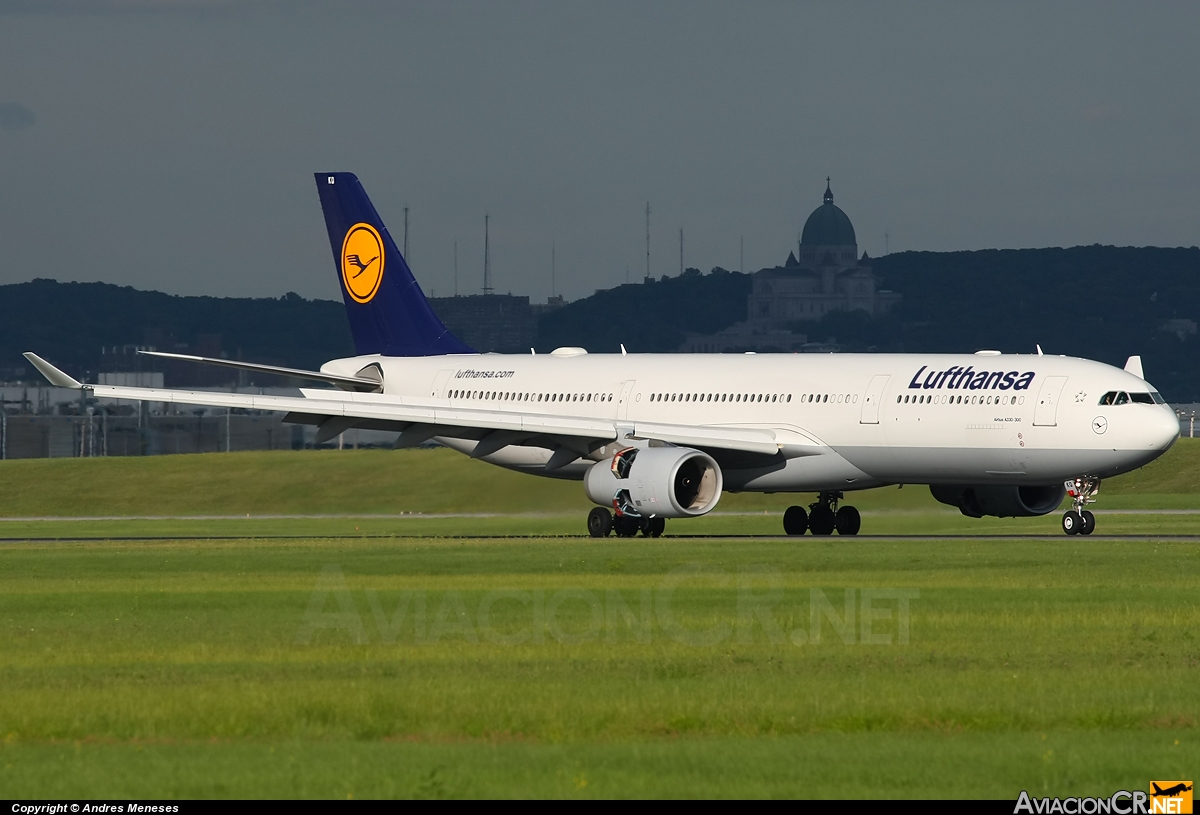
(1122, 398)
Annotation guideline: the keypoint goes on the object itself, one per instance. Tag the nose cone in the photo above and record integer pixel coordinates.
(1162, 429)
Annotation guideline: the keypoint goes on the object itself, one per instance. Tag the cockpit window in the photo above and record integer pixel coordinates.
(1122, 398)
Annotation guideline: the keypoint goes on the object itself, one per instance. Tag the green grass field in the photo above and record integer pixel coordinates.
(381, 656)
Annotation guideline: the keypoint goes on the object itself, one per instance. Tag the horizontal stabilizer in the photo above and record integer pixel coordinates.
(345, 382)
(1134, 366)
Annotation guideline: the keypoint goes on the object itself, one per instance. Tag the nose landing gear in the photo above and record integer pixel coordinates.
(1077, 520)
(823, 517)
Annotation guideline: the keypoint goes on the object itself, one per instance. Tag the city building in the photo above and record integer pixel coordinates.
(503, 323)
(825, 274)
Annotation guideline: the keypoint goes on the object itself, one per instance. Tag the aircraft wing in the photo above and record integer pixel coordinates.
(342, 409)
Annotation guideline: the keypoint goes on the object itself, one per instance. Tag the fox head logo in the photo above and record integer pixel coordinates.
(362, 262)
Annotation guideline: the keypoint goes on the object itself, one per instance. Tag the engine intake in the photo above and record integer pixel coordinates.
(664, 482)
(1002, 502)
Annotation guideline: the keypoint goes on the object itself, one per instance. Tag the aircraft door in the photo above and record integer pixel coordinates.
(870, 408)
(439, 383)
(623, 402)
(1046, 412)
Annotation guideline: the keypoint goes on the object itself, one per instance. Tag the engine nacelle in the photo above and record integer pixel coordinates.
(664, 482)
(1003, 502)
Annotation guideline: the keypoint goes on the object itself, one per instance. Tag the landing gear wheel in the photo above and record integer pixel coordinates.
(847, 520)
(1089, 522)
(1083, 491)
(626, 527)
(821, 520)
(795, 521)
(1072, 522)
(653, 527)
(600, 522)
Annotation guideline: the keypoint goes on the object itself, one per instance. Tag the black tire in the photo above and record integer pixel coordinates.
(821, 520)
(847, 521)
(1072, 522)
(1089, 523)
(795, 521)
(657, 526)
(626, 527)
(599, 522)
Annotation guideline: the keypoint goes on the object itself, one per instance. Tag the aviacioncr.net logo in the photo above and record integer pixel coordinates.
(362, 262)
(1164, 798)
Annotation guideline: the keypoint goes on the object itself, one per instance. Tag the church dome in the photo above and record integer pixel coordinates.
(828, 225)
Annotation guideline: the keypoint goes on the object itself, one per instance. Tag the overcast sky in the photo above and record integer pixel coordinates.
(171, 145)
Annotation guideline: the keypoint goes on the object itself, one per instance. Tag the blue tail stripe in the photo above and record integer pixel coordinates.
(389, 315)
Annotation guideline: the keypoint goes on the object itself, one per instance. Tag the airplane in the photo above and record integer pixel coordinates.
(662, 436)
(1170, 792)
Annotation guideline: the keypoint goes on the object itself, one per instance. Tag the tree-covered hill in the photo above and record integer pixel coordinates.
(652, 316)
(69, 324)
(1101, 302)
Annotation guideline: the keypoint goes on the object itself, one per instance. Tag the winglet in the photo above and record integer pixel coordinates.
(1134, 366)
(56, 377)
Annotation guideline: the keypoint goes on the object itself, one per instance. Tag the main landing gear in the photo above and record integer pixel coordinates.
(601, 522)
(1077, 520)
(823, 517)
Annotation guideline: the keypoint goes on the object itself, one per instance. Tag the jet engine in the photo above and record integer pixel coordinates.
(661, 482)
(1003, 502)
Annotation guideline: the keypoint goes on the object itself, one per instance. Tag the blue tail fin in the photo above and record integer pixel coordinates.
(388, 312)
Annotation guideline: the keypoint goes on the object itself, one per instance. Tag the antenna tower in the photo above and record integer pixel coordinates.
(487, 260)
(647, 239)
(456, 268)
(742, 254)
(552, 292)
(681, 251)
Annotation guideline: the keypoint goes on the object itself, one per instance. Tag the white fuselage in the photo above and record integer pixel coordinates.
(843, 421)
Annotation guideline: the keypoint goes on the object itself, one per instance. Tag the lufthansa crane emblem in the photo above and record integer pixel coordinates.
(1099, 425)
(362, 262)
